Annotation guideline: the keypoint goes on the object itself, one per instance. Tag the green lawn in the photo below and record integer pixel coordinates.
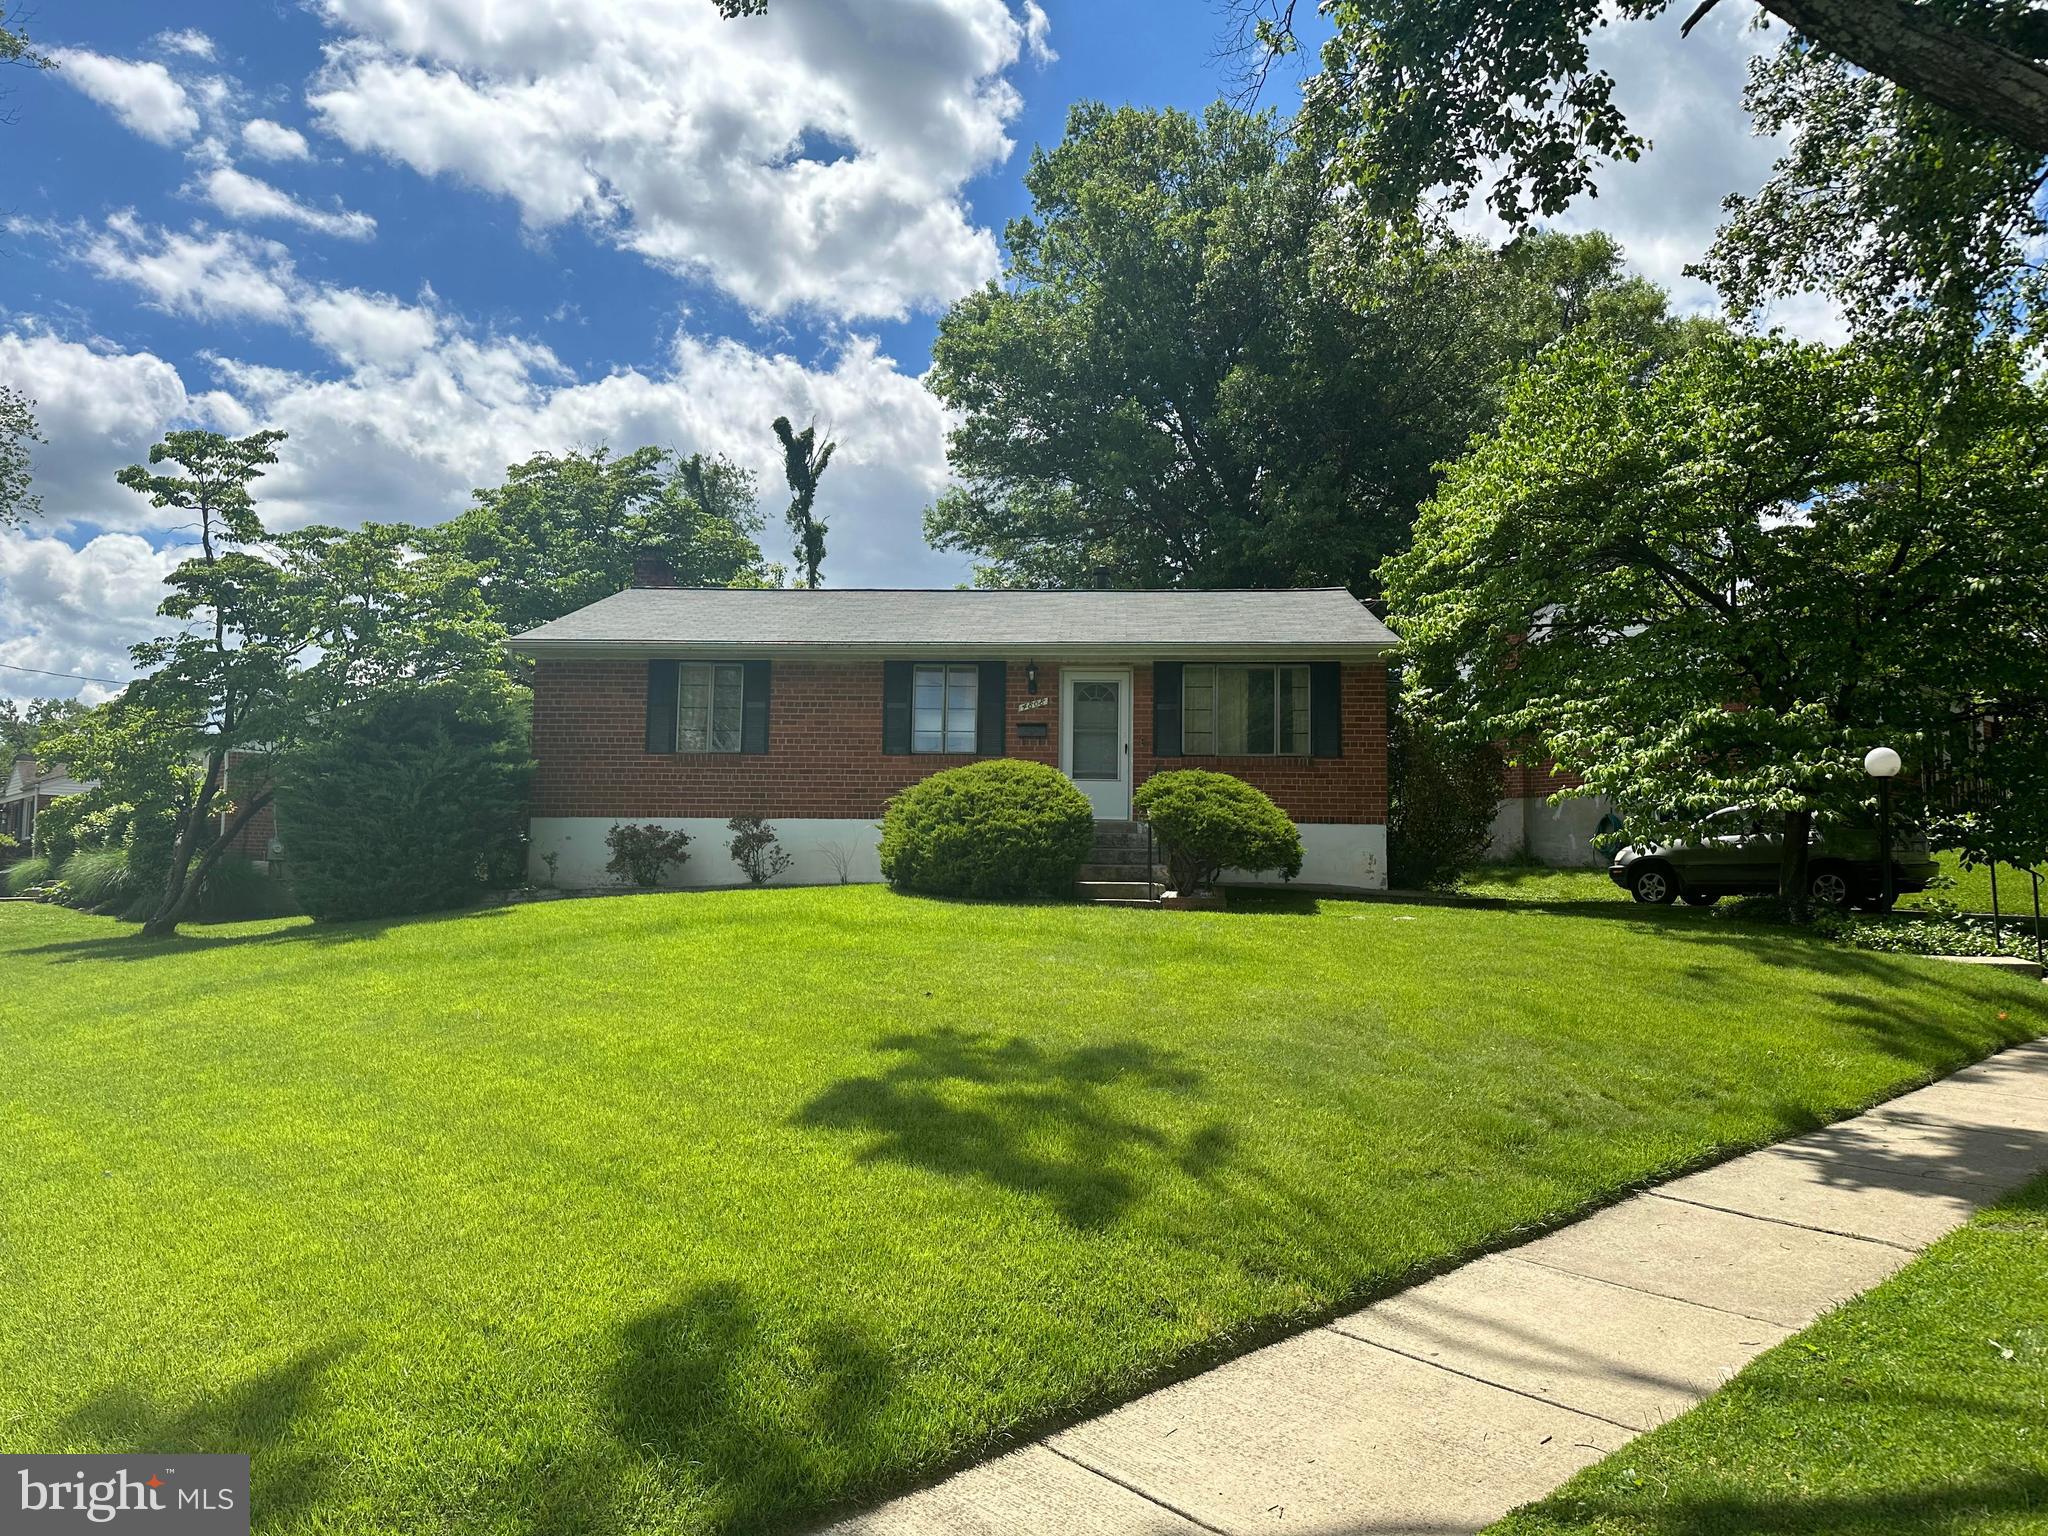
(711, 1212)
(1920, 1407)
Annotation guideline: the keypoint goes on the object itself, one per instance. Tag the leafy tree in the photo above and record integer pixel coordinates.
(1191, 373)
(227, 673)
(1918, 132)
(17, 432)
(409, 799)
(803, 465)
(144, 778)
(1720, 580)
(384, 605)
(23, 729)
(564, 529)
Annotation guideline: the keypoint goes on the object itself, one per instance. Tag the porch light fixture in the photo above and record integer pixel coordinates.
(1031, 677)
(1883, 765)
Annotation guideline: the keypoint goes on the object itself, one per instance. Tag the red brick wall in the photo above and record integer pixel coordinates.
(825, 755)
(1535, 777)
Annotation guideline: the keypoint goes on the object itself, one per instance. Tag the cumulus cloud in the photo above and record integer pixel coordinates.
(247, 198)
(76, 611)
(141, 94)
(203, 274)
(430, 413)
(187, 40)
(268, 140)
(812, 159)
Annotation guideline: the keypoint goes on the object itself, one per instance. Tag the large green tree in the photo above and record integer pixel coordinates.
(1190, 374)
(565, 529)
(1917, 129)
(1718, 580)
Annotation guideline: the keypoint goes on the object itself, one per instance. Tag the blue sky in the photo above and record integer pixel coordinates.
(430, 237)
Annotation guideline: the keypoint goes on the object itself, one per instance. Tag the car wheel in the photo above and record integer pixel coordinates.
(1701, 898)
(1654, 887)
(1829, 887)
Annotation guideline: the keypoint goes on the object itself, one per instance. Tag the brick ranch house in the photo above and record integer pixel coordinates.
(685, 707)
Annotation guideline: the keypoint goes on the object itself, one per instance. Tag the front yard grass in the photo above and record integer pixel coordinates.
(1920, 1407)
(715, 1212)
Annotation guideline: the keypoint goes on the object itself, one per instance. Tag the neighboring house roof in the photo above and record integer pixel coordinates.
(666, 621)
(28, 777)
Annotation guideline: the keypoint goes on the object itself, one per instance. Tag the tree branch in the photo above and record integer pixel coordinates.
(1987, 85)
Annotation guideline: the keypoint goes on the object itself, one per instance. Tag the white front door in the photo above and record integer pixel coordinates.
(1095, 737)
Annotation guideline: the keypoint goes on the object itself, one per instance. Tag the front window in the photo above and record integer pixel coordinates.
(1244, 711)
(943, 709)
(710, 697)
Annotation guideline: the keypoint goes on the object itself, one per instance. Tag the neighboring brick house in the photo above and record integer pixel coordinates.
(689, 706)
(31, 789)
(1527, 823)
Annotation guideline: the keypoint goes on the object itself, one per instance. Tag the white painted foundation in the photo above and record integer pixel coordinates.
(1342, 856)
(1559, 835)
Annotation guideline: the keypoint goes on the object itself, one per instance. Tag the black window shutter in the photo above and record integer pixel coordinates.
(1325, 709)
(754, 716)
(991, 709)
(896, 707)
(661, 706)
(1166, 709)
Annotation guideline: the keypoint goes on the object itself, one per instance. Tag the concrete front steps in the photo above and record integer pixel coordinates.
(1115, 873)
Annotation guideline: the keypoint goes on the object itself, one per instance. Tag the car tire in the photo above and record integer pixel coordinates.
(1830, 886)
(1701, 898)
(1654, 886)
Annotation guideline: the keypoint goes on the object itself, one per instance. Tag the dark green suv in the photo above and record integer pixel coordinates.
(1737, 853)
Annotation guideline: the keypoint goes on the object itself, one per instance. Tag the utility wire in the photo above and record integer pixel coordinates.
(75, 676)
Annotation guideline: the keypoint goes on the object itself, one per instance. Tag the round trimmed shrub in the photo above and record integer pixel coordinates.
(1210, 822)
(999, 828)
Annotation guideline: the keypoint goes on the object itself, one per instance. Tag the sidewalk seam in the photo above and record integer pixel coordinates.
(1631, 1430)
(1780, 1221)
(1622, 1285)
(1129, 1487)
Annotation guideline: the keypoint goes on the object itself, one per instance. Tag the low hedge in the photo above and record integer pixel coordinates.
(24, 875)
(999, 828)
(1210, 822)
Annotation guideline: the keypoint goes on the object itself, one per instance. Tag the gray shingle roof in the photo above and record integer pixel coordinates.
(1326, 621)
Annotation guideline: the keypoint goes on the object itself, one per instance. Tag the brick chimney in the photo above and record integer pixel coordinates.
(651, 569)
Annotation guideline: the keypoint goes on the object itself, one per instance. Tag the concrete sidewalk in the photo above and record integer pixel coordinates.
(1442, 1408)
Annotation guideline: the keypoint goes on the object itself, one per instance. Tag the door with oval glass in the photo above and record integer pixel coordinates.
(1095, 737)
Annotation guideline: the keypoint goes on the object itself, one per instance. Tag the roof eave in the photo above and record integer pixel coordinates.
(648, 650)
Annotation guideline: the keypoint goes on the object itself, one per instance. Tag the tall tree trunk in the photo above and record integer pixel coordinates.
(1792, 861)
(163, 922)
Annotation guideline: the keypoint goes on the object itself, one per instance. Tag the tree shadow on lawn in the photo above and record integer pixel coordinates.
(723, 1417)
(254, 1417)
(1046, 1123)
(130, 945)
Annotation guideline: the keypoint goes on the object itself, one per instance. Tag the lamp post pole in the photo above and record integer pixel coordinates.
(1883, 765)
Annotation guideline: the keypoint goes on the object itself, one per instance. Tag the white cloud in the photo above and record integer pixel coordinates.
(1038, 33)
(814, 158)
(204, 274)
(267, 140)
(76, 611)
(429, 414)
(142, 95)
(369, 330)
(188, 40)
(245, 197)
(98, 410)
